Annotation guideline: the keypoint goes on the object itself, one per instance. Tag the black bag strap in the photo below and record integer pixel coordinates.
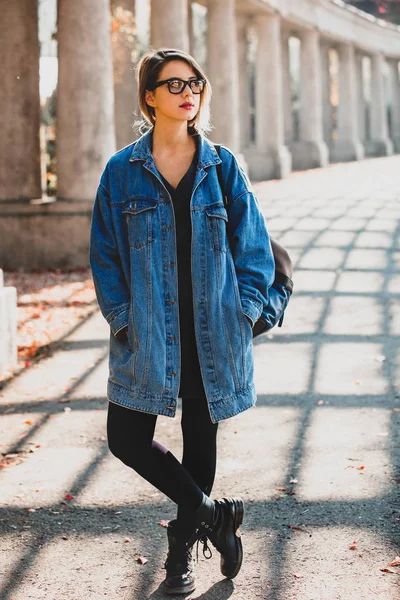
(219, 173)
(284, 280)
(279, 277)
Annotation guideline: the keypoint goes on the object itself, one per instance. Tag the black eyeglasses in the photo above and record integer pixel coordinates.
(177, 85)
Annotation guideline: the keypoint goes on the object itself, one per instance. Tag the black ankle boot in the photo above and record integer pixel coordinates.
(219, 521)
(179, 564)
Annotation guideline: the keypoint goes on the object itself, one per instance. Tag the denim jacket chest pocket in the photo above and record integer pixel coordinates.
(217, 219)
(140, 215)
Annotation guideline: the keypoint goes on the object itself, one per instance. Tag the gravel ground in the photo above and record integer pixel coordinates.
(317, 461)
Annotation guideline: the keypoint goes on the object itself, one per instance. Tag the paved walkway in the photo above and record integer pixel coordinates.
(317, 460)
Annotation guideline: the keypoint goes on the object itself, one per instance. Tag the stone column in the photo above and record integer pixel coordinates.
(395, 103)
(286, 87)
(360, 97)
(311, 151)
(223, 72)
(242, 23)
(85, 105)
(190, 27)
(19, 101)
(271, 158)
(326, 95)
(348, 146)
(169, 24)
(8, 328)
(381, 145)
(124, 54)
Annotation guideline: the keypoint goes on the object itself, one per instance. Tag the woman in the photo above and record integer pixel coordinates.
(181, 298)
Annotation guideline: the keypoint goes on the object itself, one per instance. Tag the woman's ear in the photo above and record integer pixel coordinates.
(149, 97)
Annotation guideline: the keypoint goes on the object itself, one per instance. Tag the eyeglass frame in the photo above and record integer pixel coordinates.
(185, 81)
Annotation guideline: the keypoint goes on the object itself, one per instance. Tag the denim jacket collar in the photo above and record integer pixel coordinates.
(208, 156)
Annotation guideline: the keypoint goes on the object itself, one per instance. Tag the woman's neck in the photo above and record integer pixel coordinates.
(172, 139)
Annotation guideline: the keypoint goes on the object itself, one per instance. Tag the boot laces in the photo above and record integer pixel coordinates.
(206, 548)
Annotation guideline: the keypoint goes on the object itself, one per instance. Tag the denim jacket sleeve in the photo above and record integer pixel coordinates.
(109, 281)
(249, 241)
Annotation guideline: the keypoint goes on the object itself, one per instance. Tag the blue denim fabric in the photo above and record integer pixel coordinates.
(134, 266)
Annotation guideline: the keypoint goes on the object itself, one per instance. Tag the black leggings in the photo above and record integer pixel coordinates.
(130, 438)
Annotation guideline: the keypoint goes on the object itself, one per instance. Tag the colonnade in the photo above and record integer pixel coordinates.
(86, 116)
(276, 149)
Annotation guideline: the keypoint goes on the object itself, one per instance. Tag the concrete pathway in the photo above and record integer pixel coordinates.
(317, 460)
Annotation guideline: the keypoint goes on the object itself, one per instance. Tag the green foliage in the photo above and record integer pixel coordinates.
(48, 114)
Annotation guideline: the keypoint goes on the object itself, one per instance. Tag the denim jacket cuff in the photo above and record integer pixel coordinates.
(120, 320)
(252, 310)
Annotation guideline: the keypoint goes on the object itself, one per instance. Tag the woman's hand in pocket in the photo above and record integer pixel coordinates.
(122, 335)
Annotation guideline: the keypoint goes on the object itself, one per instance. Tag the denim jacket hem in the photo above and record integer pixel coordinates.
(158, 405)
(153, 404)
(229, 407)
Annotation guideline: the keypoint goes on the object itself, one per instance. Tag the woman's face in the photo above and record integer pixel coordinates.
(180, 107)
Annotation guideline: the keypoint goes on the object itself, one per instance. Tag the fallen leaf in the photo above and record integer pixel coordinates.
(395, 562)
(353, 546)
(126, 540)
(163, 522)
(360, 468)
(287, 491)
(386, 570)
(298, 528)
(141, 560)
(28, 422)
(69, 497)
(9, 460)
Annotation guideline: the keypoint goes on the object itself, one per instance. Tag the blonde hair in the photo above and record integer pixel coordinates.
(147, 72)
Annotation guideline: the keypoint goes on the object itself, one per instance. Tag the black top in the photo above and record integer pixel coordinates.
(191, 384)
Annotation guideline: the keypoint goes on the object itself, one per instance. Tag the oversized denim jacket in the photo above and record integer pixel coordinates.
(134, 265)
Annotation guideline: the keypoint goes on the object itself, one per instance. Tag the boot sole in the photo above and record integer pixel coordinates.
(237, 508)
(179, 590)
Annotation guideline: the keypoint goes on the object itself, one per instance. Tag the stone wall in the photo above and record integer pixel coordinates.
(8, 326)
